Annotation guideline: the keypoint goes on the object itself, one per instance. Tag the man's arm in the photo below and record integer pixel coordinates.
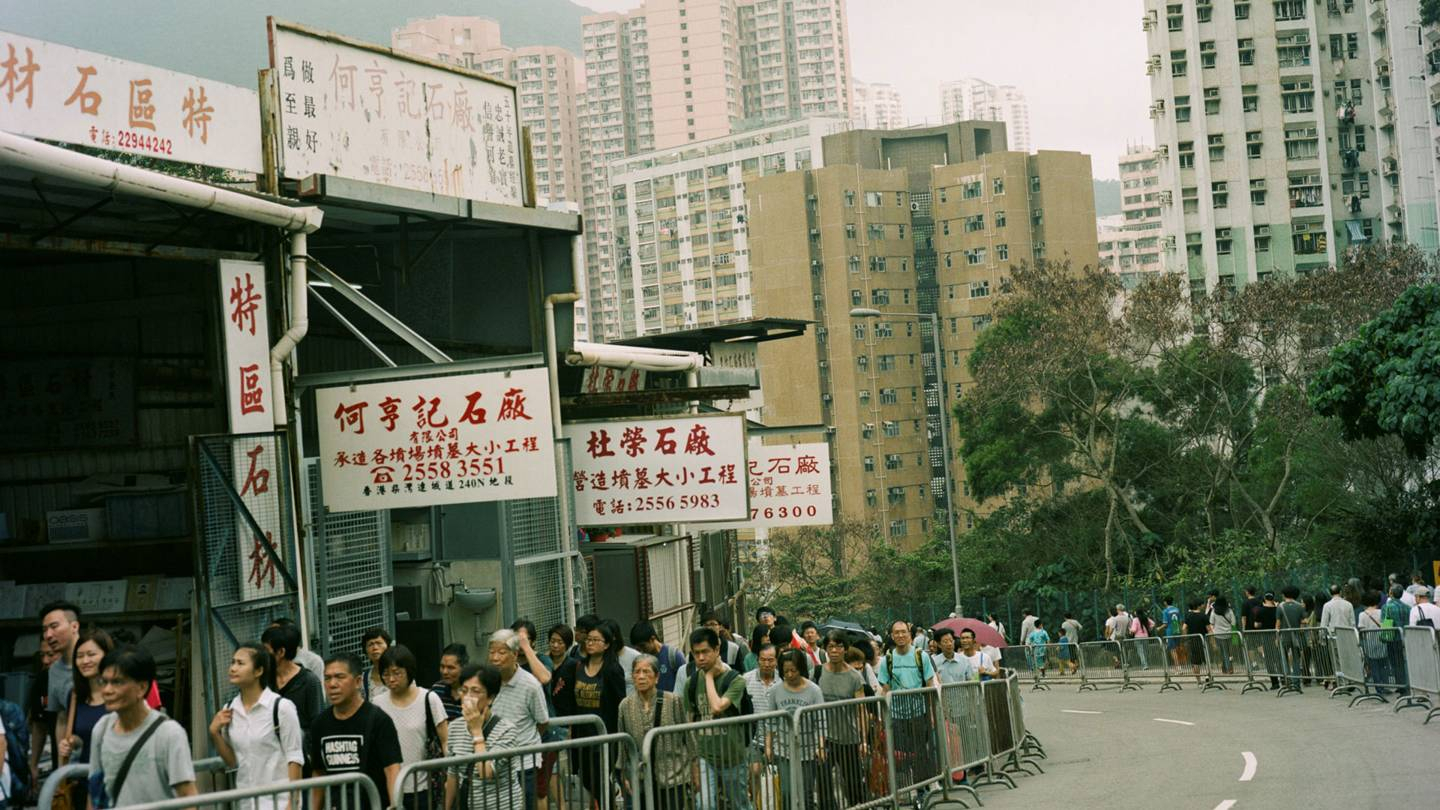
(718, 703)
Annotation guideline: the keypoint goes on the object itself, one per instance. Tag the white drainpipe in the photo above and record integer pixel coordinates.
(299, 325)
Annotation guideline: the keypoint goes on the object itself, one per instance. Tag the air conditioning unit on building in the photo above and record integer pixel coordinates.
(1163, 150)
(1168, 242)
(914, 206)
(1152, 65)
(1166, 197)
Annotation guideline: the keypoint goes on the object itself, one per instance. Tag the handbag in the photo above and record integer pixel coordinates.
(877, 776)
(433, 750)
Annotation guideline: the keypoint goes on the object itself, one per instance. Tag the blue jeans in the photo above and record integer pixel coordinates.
(734, 780)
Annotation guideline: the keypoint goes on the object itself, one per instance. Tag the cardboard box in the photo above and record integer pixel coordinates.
(142, 593)
(75, 525)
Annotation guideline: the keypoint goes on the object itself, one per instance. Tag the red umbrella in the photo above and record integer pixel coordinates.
(985, 635)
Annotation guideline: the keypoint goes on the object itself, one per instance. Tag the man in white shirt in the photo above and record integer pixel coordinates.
(1026, 626)
(765, 675)
(1338, 612)
(1424, 608)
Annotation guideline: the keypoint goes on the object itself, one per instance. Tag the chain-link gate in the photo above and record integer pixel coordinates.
(537, 550)
(245, 560)
(354, 582)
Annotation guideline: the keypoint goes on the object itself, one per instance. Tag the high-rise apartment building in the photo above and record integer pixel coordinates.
(1130, 242)
(673, 73)
(681, 229)
(544, 77)
(972, 99)
(1287, 131)
(877, 106)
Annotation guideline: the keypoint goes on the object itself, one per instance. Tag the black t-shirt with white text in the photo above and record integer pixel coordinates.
(364, 742)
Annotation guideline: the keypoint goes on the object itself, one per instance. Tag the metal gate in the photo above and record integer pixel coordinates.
(537, 551)
(246, 546)
(354, 581)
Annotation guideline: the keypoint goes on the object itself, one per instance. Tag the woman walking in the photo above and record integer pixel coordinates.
(794, 692)
(419, 717)
(258, 733)
(1222, 627)
(374, 641)
(674, 754)
(592, 685)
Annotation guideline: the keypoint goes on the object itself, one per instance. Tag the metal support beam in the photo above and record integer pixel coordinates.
(379, 313)
(352, 328)
(507, 362)
(76, 217)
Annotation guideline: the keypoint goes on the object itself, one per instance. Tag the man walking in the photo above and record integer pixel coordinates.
(644, 638)
(521, 701)
(1395, 614)
(716, 691)
(949, 667)
(353, 735)
(908, 667)
(1289, 616)
(1338, 612)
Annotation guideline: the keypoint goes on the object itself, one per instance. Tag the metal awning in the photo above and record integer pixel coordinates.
(756, 330)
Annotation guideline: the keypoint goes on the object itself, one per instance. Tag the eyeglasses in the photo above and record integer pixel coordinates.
(594, 639)
(474, 691)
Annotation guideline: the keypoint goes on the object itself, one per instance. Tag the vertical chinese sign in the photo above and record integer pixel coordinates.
(249, 403)
(681, 470)
(356, 110)
(65, 94)
(436, 440)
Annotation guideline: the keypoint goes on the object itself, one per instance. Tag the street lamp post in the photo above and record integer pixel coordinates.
(867, 312)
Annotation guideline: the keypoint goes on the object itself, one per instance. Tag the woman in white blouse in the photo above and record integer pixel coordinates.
(258, 733)
(420, 720)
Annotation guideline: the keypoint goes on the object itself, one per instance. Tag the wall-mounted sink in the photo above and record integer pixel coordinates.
(475, 600)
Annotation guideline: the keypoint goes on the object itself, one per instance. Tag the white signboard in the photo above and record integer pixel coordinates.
(364, 112)
(65, 94)
(473, 437)
(687, 469)
(244, 301)
(790, 485)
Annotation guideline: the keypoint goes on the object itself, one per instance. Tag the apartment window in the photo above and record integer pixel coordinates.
(942, 194)
(971, 190)
(1177, 63)
(884, 330)
(975, 223)
(875, 230)
(1245, 47)
(980, 323)
(879, 297)
(1038, 251)
(877, 264)
(999, 219)
(857, 298)
(1190, 200)
(1212, 101)
(1220, 194)
(901, 226)
(1257, 191)
(1207, 55)
(1249, 98)
(1037, 217)
(1297, 96)
(945, 227)
(1182, 109)
(1222, 241)
(1242, 10)
(1002, 252)
(975, 256)
(854, 264)
(1302, 142)
(1175, 17)
(850, 230)
(1349, 93)
(886, 362)
(849, 199)
(897, 528)
(1262, 238)
(948, 261)
(1035, 184)
(1293, 49)
(1254, 144)
(1289, 10)
(859, 330)
(1186, 154)
(1204, 11)
(1217, 147)
(980, 289)
(1308, 241)
(873, 199)
(862, 362)
(1194, 246)
(998, 186)
(869, 463)
(1305, 190)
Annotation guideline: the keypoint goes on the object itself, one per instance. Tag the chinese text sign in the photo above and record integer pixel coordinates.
(789, 485)
(681, 470)
(362, 113)
(472, 437)
(65, 94)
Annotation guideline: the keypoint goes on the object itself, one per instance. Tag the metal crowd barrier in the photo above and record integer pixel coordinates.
(1226, 662)
(80, 772)
(839, 742)
(1351, 672)
(967, 742)
(1147, 659)
(1029, 747)
(1383, 650)
(435, 783)
(1044, 663)
(1422, 670)
(912, 728)
(1102, 663)
(734, 761)
(344, 791)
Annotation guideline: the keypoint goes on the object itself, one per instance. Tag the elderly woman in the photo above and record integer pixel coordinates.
(674, 754)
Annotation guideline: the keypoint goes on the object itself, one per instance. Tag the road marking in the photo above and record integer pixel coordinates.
(1225, 805)
(1250, 765)
(1176, 722)
(1077, 711)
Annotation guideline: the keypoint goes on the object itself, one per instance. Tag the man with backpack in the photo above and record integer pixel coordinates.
(1425, 613)
(715, 692)
(904, 667)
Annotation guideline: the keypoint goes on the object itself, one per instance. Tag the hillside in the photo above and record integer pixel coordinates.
(226, 41)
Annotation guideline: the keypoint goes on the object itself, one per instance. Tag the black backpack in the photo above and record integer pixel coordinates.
(692, 694)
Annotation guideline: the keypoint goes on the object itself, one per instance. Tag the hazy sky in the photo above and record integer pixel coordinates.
(1081, 63)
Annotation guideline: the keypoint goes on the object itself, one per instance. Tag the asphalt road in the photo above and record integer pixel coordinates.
(1188, 750)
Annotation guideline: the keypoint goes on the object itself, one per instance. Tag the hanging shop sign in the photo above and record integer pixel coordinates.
(681, 470)
(607, 380)
(436, 440)
(255, 459)
(65, 94)
(356, 110)
(789, 486)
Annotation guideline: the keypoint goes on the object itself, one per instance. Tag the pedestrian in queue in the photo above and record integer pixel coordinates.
(1338, 612)
(1353, 592)
(765, 615)
(59, 630)
(982, 665)
(1372, 642)
(814, 649)
(904, 667)
(760, 680)
(352, 735)
(560, 640)
(949, 666)
(1263, 619)
(374, 641)
(1027, 624)
(795, 692)
(1416, 583)
(1425, 613)
(855, 659)
(625, 655)
(668, 660)
(557, 647)
(1065, 651)
(453, 658)
(1170, 622)
(1222, 627)
(592, 686)
(583, 626)
(651, 707)
(530, 659)
(730, 652)
(1289, 616)
(1037, 641)
(1141, 627)
(727, 634)
(155, 746)
(716, 691)
(420, 720)
(522, 700)
(996, 625)
(759, 637)
(293, 682)
(303, 657)
(87, 703)
(493, 783)
(1195, 625)
(1395, 614)
(258, 732)
(1071, 629)
(844, 729)
(1248, 606)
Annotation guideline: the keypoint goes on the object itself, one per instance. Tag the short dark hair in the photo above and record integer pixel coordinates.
(1290, 592)
(489, 677)
(71, 611)
(398, 656)
(1251, 589)
(965, 630)
(372, 633)
(704, 635)
(281, 620)
(1169, 600)
(529, 628)
(349, 659)
(564, 632)
(762, 610)
(806, 625)
(837, 636)
(282, 638)
(587, 622)
(710, 616)
(766, 646)
(641, 633)
(797, 659)
(942, 632)
(133, 661)
(460, 651)
(1368, 599)
(261, 659)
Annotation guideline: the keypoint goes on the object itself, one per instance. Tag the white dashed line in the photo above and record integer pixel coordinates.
(1176, 722)
(1077, 711)
(1250, 765)
(1225, 805)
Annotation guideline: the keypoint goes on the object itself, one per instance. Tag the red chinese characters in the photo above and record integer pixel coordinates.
(244, 303)
(252, 395)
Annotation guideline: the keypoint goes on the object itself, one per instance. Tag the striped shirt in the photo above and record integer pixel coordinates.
(504, 790)
(522, 701)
